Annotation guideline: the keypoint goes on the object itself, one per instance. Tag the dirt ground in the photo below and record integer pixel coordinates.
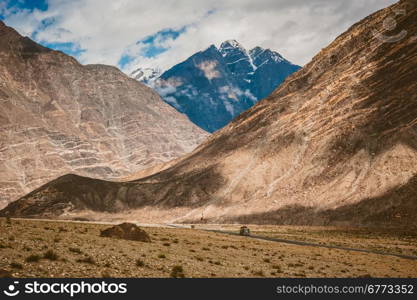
(30, 248)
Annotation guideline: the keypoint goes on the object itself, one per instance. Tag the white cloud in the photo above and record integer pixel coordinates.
(107, 29)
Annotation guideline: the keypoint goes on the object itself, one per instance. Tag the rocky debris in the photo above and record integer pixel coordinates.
(58, 117)
(126, 231)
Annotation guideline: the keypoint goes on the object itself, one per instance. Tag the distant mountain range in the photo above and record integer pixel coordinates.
(215, 85)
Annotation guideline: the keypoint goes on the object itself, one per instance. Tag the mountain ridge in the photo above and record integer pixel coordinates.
(216, 84)
(58, 116)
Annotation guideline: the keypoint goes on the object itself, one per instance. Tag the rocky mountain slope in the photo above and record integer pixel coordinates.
(57, 116)
(336, 144)
(215, 85)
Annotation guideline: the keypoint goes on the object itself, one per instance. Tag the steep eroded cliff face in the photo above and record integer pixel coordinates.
(58, 116)
(336, 144)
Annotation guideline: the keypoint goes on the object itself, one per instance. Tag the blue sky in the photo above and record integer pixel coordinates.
(161, 33)
(152, 45)
(28, 4)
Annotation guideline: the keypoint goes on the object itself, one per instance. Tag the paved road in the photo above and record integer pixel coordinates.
(300, 243)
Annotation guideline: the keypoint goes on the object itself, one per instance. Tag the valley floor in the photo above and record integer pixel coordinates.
(33, 248)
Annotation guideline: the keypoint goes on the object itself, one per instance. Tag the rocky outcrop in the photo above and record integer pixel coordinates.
(335, 144)
(58, 116)
(126, 231)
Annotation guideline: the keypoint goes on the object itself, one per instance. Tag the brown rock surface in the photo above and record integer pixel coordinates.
(335, 144)
(58, 117)
(126, 231)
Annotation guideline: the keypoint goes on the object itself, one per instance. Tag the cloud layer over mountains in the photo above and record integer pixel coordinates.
(160, 33)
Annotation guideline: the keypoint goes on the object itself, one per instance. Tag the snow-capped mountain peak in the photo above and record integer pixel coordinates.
(216, 84)
(231, 46)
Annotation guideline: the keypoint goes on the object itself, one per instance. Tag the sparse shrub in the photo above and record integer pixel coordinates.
(259, 273)
(199, 258)
(166, 244)
(267, 260)
(225, 247)
(51, 255)
(16, 265)
(62, 229)
(12, 238)
(8, 221)
(277, 268)
(192, 250)
(33, 258)
(57, 240)
(246, 268)
(175, 241)
(162, 256)
(177, 272)
(107, 265)
(5, 274)
(106, 274)
(217, 263)
(140, 263)
(87, 260)
(206, 249)
(75, 250)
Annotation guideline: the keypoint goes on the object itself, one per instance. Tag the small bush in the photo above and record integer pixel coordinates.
(8, 221)
(259, 273)
(277, 268)
(162, 256)
(177, 272)
(75, 250)
(16, 265)
(87, 260)
(199, 258)
(33, 258)
(140, 263)
(267, 260)
(166, 244)
(51, 255)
